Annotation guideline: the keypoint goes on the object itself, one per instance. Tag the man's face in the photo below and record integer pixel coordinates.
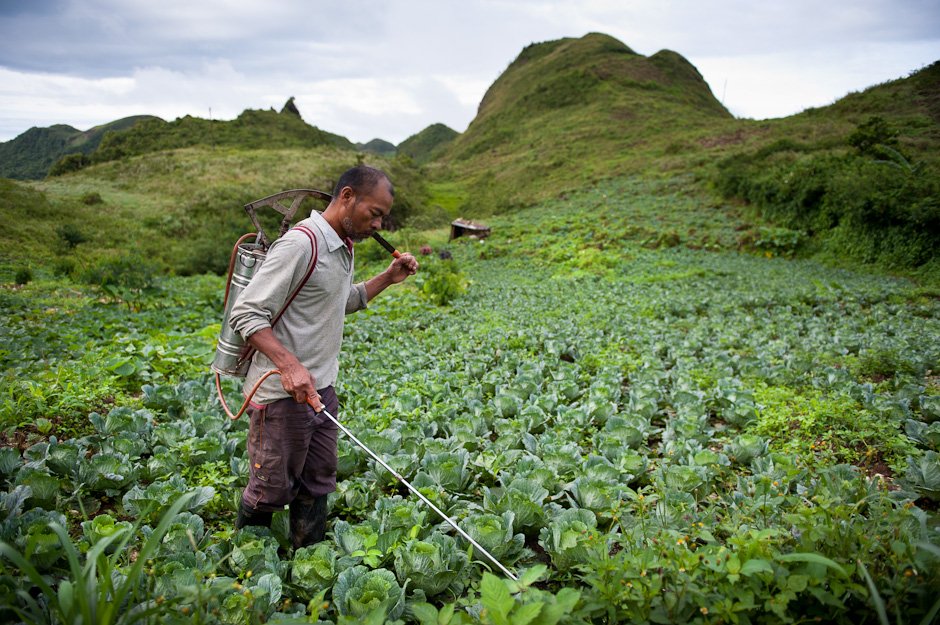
(364, 213)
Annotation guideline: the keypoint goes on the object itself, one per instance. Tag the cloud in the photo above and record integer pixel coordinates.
(777, 85)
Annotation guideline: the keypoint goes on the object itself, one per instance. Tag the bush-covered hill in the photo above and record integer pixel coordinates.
(253, 129)
(378, 146)
(427, 144)
(859, 177)
(570, 112)
(29, 156)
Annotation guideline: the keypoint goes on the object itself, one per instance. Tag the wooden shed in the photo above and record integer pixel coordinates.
(462, 227)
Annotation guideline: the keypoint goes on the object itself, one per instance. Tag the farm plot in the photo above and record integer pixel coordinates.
(666, 435)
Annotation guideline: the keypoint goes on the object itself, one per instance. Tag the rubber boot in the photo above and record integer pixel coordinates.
(249, 516)
(307, 520)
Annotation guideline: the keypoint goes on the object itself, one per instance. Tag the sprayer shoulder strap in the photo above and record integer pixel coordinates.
(313, 265)
(249, 351)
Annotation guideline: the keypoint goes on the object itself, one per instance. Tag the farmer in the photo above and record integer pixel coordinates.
(291, 445)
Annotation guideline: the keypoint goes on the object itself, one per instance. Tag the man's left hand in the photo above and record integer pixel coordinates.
(402, 267)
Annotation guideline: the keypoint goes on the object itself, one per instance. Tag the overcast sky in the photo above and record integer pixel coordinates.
(388, 69)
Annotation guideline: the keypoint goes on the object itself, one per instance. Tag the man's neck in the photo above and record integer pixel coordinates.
(333, 217)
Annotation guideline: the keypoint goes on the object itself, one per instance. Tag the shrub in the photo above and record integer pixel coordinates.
(24, 275)
(883, 211)
(91, 198)
(871, 134)
(70, 236)
(69, 163)
(444, 282)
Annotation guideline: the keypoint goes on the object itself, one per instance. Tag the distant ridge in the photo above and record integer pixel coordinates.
(378, 146)
(29, 156)
(427, 144)
(252, 129)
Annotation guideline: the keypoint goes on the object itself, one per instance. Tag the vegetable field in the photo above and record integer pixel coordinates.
(645, 424)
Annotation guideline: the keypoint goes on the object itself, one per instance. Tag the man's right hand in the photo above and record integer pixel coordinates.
(299, 383)
(295, 378)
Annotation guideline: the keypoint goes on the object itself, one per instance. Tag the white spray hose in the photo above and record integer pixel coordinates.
(422, 497)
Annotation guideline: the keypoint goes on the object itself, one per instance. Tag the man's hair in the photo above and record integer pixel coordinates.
(362, 179)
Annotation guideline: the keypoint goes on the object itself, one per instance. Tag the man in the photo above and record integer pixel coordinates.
(291, 445)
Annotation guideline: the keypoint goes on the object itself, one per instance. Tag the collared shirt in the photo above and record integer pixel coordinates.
(311, 328)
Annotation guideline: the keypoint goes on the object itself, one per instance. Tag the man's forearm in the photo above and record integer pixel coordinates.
(377, 284)
(265, 342)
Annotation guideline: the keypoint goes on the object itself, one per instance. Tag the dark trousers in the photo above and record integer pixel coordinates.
(292, 451)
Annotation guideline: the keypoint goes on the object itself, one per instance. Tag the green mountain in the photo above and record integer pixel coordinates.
(575, 110)
(252, 130)
(427, 144)
(29, 156)
(378, 146)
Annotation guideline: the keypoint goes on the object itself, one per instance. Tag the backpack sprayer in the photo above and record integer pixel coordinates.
(233, 355)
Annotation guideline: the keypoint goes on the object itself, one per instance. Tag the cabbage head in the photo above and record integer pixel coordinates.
(314, 568)
(359, 591)
(432, 565)
(524, 498)
(567, 538)
(495, 534)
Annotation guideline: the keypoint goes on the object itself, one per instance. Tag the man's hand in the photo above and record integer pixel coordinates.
(402, 267)
(300, 384)
(296, 380)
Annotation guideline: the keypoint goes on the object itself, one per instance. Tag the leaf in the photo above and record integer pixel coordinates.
(124, 369)
(526, 613)
(530, 576)
(66, 597)
(797, 583)
(813, 558)
(271, 584)
(875, 596)
(425, 613)
(495, 597)
(12, 503)
(755, 565)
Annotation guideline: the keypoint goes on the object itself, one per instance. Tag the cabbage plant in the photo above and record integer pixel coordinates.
(924, 474)
(432, 565)
(396, 512)
(314, 568)
(495, 534)
(524, 498)
(745, 448)
(594, 494)
(567, 537)
(451, 470)
(926, 435)
(359, 591)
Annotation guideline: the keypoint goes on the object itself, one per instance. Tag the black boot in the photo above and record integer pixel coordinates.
(307, 520)
(249, 516)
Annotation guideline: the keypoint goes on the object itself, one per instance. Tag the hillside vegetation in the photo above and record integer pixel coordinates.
(570, 112)
(252, 130)
(566, 115)
(380, 147)
(428, 144)
(29, 156)
(178, 210)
